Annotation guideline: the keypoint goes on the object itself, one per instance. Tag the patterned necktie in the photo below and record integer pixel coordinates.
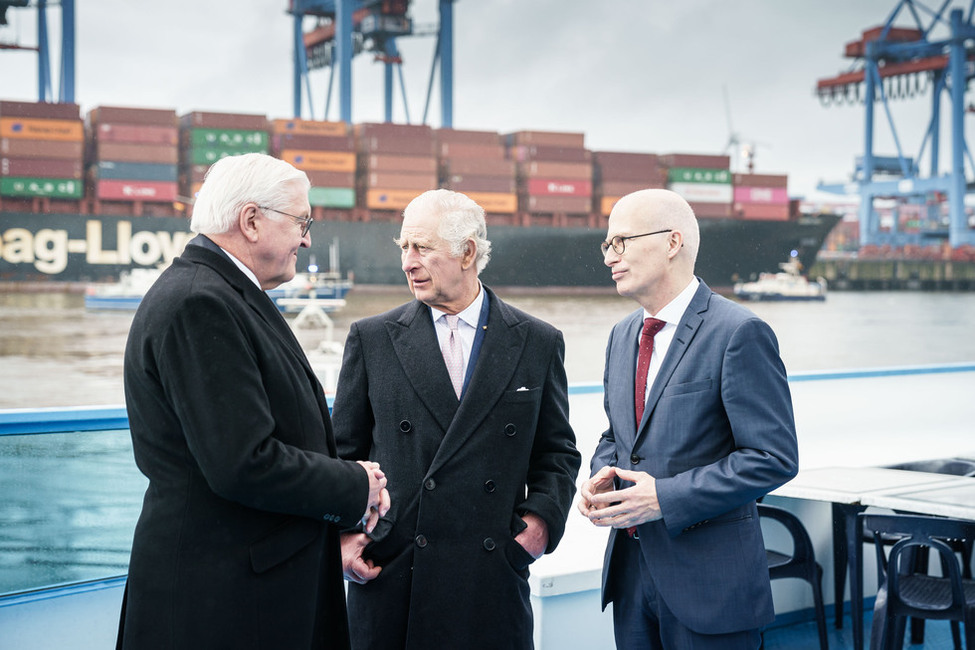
(650, 328)
(453, 356)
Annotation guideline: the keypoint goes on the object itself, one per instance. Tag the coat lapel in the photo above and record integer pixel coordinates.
(501, 351)
(687, 328)
(622, 363)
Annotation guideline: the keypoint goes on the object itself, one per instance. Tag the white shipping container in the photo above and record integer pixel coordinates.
(704, 192)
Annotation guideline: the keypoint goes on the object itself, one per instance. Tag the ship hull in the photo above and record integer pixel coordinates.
(93, 248)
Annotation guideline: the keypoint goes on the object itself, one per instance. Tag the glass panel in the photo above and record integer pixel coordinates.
(68, 507)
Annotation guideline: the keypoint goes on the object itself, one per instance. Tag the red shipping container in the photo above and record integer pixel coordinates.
(45, 149)
(547, 139)
(137, 134)
(40, 168)
(569, 170)
(561, 187)
(711, 210)
(135, 190)
(701, 161)
(343, 143)
(458, 136)
(40, 110)
(762, 211)
(760, 180)
(138, 116)
(474, 183)
(205, 120)
(384, 129)
(553, 154)
(622, 188)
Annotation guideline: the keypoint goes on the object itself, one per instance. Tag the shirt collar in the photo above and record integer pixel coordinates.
(242, 267)
(674, 310)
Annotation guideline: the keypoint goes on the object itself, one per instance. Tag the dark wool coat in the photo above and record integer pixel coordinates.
(237, 543)
(460, 475)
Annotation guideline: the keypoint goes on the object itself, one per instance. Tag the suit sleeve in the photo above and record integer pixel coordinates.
(351, 411)
(755, 397)
(222, 391)
(555, 460)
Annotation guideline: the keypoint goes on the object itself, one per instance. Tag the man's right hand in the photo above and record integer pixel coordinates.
(353, 566)
(378, 504)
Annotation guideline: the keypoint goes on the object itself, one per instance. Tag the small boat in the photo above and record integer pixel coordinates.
(124, 295)
(787, 284)
(325, 290)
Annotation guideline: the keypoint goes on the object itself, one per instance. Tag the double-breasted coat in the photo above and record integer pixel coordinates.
(461, 474)
(237, 543)
(717, 433)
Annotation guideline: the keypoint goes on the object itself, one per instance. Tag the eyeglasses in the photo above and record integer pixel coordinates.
(619, 243)
(304, 221)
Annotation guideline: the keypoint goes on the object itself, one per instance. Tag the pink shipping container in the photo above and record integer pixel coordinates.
(762, 211)
(135, 190)
(561, 187)
(767, 195)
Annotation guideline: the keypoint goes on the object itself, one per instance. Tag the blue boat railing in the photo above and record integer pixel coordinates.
(72, 493)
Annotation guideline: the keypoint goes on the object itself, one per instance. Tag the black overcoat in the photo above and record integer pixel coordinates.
(237, 543)
(460, 475)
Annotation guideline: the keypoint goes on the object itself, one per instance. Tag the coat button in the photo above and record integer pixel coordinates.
(405, 426)
(421, 541)
(489, 486)
(489, 544)
(635, 459)
(430, 484)
(510, 429)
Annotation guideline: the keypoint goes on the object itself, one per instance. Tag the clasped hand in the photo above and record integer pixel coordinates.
(604, 505)
(378, 504)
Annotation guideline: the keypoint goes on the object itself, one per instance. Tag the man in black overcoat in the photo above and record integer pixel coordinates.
(481, 464)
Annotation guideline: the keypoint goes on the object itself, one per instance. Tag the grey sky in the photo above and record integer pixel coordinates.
(633, 75)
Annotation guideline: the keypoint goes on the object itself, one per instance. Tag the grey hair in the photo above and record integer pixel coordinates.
(461, 219)
(233, 181)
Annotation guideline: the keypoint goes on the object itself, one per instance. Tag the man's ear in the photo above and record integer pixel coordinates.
(470, 254)
(248, 222)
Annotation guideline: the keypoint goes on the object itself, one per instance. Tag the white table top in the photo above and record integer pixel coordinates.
(850, 484)
(954, 500)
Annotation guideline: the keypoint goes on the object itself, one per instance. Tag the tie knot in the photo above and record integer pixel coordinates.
(652, 325)
(452, 320)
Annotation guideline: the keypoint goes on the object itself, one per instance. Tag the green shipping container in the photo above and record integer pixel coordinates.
(332, 197)
(204, 156)
(696, 175)
(237, 139)
(57, 188)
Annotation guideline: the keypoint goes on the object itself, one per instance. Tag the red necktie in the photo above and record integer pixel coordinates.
(650, 328)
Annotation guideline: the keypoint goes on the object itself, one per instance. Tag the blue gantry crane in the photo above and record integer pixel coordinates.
(66, 86)
(345, 28)
(935, 51)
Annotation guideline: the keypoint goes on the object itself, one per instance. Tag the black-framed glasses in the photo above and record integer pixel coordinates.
(304, 221)
(619, 243)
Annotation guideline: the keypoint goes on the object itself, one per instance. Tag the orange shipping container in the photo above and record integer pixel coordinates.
(389, 199)
(495, 202)
(309, 127)
(61, 130)
(326, 161)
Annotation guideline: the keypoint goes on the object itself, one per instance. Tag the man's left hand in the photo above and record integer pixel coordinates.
(534, 539)
(630, 506)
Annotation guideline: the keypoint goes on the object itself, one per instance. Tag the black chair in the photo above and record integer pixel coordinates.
(905, 592)
(800, 563)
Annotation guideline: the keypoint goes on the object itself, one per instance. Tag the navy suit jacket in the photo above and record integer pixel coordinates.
(717, 433)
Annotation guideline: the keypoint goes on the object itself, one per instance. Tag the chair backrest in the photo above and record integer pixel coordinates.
(802, 545)
(918, 531)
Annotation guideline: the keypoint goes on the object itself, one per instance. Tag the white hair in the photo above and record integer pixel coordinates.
(461, 220)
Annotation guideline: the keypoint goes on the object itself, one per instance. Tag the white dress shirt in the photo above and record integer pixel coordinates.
(671, 314)
(466, 326)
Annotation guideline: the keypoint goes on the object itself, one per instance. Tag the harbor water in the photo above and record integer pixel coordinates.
(70, 500)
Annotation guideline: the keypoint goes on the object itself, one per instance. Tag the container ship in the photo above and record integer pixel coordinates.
(83, 198)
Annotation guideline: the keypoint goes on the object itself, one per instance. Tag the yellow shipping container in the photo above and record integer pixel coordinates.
(321, 161)
(308, 127)
(495, 202)
(62, 130)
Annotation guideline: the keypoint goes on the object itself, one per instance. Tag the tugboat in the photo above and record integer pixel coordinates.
(787, 284)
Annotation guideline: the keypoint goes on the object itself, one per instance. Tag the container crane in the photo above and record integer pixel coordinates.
(44, 89)
(345, 28)
(893, 62)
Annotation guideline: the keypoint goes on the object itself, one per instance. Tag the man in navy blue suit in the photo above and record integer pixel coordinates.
(677, 484)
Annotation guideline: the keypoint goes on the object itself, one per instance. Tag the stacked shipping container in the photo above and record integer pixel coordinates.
(761, 196)
(703, 180)
(616, 174)
(554, 172)
(205, 138)
(474, 162)
(325, 151)
(41, 150)
(396, 162)
(133, 155)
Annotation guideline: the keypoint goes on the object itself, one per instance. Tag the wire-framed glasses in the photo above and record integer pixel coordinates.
(304, 221)
(619, 243)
